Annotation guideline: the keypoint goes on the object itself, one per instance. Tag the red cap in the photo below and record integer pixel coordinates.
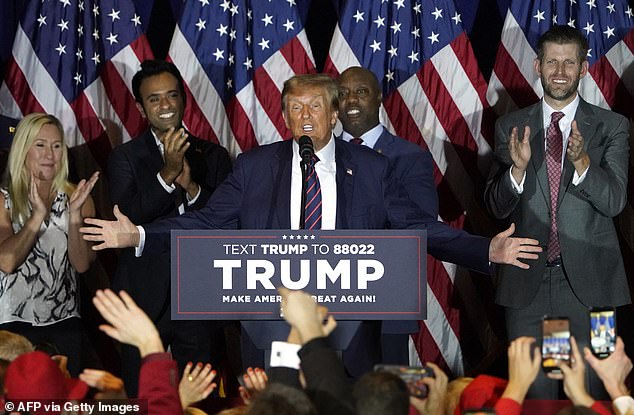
(35, 375)
(483, 392)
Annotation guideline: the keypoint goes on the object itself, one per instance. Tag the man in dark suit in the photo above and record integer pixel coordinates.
(359, 102)
(264, 190)
(163, 173)
(562, 182)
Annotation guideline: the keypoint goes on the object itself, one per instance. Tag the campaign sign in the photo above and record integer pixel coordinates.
(357, 274)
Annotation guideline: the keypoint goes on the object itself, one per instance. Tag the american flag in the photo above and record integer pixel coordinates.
(234, 57)
(609, 27)
(75, 59)
(433, 95)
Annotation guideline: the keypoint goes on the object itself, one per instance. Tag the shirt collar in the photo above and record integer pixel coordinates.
(569, 110)
(369, 138)
(326, 154)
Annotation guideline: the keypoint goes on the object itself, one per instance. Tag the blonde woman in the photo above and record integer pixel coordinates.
(41, 250)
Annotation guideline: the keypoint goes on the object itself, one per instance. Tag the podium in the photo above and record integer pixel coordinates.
(358, 274)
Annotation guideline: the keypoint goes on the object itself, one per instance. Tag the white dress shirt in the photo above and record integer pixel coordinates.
(369, 138)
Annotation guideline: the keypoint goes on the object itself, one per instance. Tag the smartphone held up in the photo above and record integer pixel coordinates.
(555, 343)
(602, 331)
(412, 376)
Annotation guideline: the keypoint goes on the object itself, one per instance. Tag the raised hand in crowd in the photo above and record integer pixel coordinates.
(128, 323)
(108, 385)
(305, 315)
(434, 403)
(574, 377)
(613, 370)
(523, 368)
(255, 380)
(196, 383)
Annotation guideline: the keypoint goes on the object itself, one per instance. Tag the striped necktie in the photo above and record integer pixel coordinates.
(312, 208)
(554, 150)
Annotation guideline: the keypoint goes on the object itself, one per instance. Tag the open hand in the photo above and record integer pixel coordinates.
(507, 250)
(121, 233)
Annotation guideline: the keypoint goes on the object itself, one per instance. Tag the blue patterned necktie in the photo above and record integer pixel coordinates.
(312, 208)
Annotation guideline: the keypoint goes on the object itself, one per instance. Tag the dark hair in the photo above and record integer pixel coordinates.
(153, 67)
(563, 34)
(381, 393)
(312, 80)
(576, 410)
(279, 399)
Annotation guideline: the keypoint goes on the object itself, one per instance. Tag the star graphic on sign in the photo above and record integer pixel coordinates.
(264, 44)
(433, 37)
(456, 18)
(289, 25)
(283, 236)
(609, 32)
(589, 28)
(136, 19)
(201, 24)
(219, 54)
(77, 78)
(437, 13)
(610, 7)
(222, 29)
(358, 16)
(305, 236)
(114, 15)
(380, 21)
(41, 20)
(112, 38)
(267, 19)
(393, 51)
(539, 16)
(413, 57)
(389, 75)
(396, 27)
(375, 46)
(63, 25)
(291, 237)
(591, 3)
(60, 49)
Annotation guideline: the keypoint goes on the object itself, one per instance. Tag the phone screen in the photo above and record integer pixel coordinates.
(412, 376)
(555, 343)
(602, 331)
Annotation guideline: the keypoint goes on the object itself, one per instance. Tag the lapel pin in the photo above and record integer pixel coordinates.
(349, 172)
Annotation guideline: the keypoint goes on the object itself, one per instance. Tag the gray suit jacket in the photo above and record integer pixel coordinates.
(589, 245)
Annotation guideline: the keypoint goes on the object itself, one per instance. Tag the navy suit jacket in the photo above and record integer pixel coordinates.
(132, 169)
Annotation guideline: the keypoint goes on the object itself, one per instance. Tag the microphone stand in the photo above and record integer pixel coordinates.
(302, 211)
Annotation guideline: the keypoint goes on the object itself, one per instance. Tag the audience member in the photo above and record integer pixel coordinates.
(482, 392)
(613, 372)
(280, 399)
(380, 393)
(41, 251)
(196, 383)
(255, 380)
(13, 345)
(454, 394)
(163, 173)
(129, 324)
(560, 174)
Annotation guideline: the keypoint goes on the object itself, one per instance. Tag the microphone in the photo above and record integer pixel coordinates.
(306, 149)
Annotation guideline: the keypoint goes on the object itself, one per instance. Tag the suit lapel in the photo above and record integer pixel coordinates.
(346, 169)
(536, 123)
(155, 158)
(281, 170)
(384, 143)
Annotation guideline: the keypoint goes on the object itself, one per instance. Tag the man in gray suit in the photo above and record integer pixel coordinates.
(560, 174)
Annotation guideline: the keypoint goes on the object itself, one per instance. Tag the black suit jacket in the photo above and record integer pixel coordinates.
(132, 170)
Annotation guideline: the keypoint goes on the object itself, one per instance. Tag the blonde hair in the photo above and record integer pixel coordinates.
(13, 345)
(19, 179)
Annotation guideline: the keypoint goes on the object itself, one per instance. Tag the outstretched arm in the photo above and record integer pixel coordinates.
(505, 249)
(121, 233)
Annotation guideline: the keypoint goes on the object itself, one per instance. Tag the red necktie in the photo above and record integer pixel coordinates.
(554, 149)
(356, 141)
(312, 208)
